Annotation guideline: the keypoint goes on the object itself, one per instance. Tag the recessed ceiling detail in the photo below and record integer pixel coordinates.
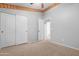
(34, 5)
(41, 7)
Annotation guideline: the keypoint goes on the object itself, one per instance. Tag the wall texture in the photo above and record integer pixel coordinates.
(65, 24)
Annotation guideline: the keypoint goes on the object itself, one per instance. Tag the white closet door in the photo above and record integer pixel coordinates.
(10, 29)
(21, 29)
(0, 30)
(3, 33)
(41, 29)
(7, 30)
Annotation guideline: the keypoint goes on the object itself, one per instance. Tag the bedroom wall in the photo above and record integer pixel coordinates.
(65, 24)
(32, 21)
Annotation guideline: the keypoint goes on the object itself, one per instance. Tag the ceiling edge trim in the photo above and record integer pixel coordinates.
(51, 6)
(4, 5)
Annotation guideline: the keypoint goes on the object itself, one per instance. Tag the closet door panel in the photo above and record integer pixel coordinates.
(40, 29)
(10, 29)
(3, 33)
(7, 30)
(0, 30)
(21, 29)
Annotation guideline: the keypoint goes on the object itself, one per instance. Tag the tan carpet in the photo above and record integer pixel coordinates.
(42, 48)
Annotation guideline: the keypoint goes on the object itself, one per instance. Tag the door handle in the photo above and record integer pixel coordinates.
(2, 31)
(38, 30)
(26, 31)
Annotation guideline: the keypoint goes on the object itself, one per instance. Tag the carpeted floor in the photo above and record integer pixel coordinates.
(42, 48)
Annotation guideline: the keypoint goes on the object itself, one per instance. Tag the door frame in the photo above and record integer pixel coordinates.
(47, 20)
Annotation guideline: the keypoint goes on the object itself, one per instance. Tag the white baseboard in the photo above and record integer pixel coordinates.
(64, 45)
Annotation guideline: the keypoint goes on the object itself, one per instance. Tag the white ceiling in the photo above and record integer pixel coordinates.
(35, 5)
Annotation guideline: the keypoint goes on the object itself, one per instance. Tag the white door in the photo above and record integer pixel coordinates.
(10, 29)
(21, 29)
(41, 29)
(2, 31)
(7, 30)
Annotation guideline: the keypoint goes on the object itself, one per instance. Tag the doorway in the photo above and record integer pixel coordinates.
(44, 30)
(47, 30)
